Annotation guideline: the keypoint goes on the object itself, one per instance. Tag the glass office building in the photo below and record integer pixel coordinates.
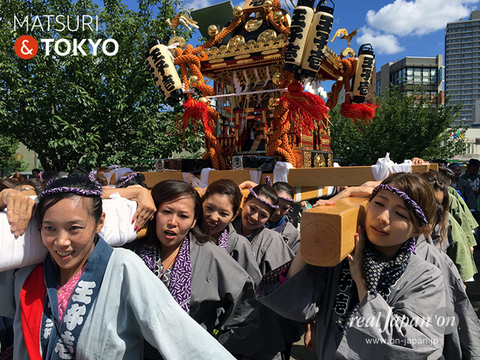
(462, 67)
(425, 73)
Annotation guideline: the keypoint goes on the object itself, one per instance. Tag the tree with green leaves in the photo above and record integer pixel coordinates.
(94, 108)
(9, 160)
(405, 125)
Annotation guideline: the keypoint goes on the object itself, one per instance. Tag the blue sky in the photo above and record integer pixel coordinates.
(395, 29)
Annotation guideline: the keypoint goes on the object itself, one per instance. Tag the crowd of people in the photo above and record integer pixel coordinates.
(217, 275)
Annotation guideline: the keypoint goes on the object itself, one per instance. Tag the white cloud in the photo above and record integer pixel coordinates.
(382, 43)
(418, 17)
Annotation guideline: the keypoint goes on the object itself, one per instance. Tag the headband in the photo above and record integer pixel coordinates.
(262, 200)
(114, 167)
(77, 191)
(268, 181)
(285, 198)
(92, 175)
(416, 209)
(125, 179)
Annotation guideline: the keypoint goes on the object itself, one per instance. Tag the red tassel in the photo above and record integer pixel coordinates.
(358, 112)
(195, 112)
(304, 109)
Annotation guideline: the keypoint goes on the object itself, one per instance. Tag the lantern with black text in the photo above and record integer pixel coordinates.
(318, 35)
(161, 66)
(301, 20)
(363, 74)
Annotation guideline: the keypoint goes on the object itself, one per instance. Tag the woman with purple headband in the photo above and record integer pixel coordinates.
(380, 302)
(131, 180)
(88, 300)
(270, 251)
(279, 221)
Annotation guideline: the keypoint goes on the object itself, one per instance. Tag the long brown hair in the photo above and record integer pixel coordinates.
(170, 190)
(440, 183)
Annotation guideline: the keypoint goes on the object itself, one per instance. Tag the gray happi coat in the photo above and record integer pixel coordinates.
(239, 248)
(391, 332)
(270, 251)
(464, 342)
(291, 235)
(127, 310)
(222, 297)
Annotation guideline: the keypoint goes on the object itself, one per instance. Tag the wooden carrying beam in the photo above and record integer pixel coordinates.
(343, 176)
(327, 232)
(153, 178)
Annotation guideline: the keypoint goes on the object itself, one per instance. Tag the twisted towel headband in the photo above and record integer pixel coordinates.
(416, 208)
(125, 179)
(263, 200)
(72, 190)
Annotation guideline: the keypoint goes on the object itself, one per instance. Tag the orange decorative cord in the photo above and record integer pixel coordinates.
(189, 59)
(220, 36)
(298, 109)
(356, 112)
(278, 142)
(196, 111)
(349, 68)
(288, 77)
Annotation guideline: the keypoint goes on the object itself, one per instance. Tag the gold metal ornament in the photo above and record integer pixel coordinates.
(266, 36)
(212, 30)
(268, 5)
(273, 103)
(237, 11)
(253, 25)
(236, 41)
(204, 100)
(319, 161)
(177, 39)
(288, 20)
(345, 35)
(277, 16)
(193, 81)
(277, 78)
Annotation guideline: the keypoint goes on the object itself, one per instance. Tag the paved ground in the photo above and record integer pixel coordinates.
(473, 290)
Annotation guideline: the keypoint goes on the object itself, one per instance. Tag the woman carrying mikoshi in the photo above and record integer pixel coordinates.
(209, 285)
(279, 221)
(87, 300)
(221, 204)
(270, 251)
(380, 302)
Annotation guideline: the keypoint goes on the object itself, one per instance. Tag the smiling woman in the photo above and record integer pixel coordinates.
(270, 251)
(84, 284)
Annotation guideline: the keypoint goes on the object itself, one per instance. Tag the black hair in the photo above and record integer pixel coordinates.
(50, 174)
(267, 191)
(440, 182)
(136, 180)
(227, 188)
(74, 181)
(283, 186)
(79, 170)
(170, 190)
